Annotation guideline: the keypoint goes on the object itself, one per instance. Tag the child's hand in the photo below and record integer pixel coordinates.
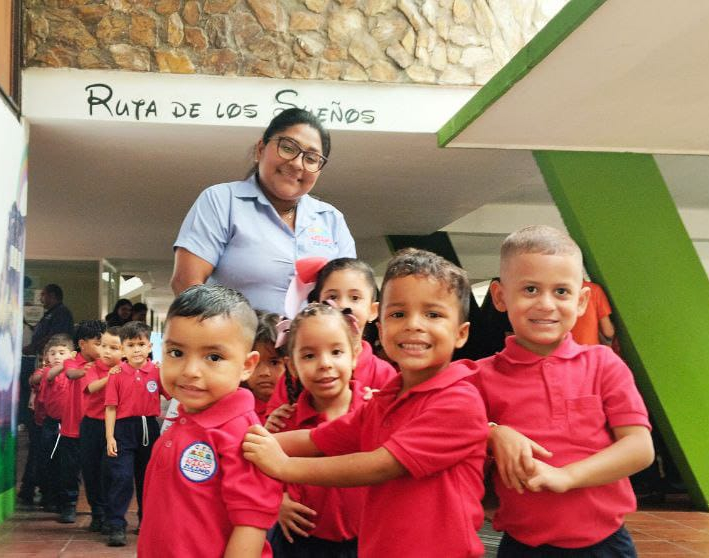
(514, 456)
(547, 477)
(115, 370)
(293, 517)
(111, 447)
(276, 420)
(262, 449)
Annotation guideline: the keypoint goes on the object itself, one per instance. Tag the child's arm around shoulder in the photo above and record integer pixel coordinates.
(631, 452)
(355, 469)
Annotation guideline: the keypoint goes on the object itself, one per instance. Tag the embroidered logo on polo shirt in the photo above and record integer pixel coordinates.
(198, 463)
(319, 236)
(152, 386)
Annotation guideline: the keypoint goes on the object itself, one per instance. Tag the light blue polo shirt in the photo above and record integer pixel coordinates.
(235, 228)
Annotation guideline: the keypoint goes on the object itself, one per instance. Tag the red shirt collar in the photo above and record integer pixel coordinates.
(515, 353)
(236, 403)
(453, 373)
(304, 410)
(102, 366)
(147, 367)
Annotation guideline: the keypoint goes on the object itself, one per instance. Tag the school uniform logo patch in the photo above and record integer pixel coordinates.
(319, 236)
(152, 386)
(198, 462)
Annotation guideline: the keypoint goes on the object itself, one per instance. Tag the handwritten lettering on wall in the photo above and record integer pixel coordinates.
(101, 101)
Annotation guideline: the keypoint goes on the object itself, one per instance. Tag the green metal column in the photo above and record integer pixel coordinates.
(617, 207)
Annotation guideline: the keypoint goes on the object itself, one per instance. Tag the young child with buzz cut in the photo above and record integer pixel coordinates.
(421, 441)
(132, 404)
(577, 405)
(202, 498)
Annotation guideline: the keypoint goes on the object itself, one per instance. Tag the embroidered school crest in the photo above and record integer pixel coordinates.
(198, 462)
(152, 386)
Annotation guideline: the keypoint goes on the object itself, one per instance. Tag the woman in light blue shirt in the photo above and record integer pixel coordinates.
(247, 235)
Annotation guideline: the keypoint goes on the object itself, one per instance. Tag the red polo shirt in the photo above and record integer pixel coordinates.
(371, 371)
(339, 509)
(55, 394)
(134, 392)
(198, 485)
(438, 432)
(568, 402)
(260, 409)
(40, 410)
(74, 410)
(95, 406)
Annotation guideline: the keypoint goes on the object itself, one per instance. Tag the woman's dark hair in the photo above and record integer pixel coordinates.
(121, 302)
(293, 117)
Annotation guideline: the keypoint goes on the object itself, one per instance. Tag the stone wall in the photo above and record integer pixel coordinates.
(462, 42)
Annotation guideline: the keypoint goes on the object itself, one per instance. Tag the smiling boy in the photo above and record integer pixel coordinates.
(420, 442)
(578, 402)
(219, 503)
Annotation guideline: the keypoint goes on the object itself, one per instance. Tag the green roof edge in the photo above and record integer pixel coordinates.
(549, 37)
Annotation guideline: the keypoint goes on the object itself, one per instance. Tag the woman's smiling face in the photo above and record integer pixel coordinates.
(285, 180)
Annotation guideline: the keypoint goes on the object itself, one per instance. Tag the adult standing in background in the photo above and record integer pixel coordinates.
(121, 313)
(57, 318)
(247, 235)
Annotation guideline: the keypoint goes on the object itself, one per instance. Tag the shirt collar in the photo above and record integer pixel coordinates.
(249, 188)
(453, 373)
(515, 353)
(147, 367)
(304, 410)
(236, 403)
(101, 365)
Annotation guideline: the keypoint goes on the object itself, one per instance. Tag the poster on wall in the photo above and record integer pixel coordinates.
(13, 210)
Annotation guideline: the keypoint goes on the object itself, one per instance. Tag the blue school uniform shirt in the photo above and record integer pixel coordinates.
(235, 228)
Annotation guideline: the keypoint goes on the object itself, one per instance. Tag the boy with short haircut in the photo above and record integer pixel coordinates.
(420, 442)
(201, 497)
(53, 395)
(92, 438)
(87, 338)
(271, 366)
(132, 406)
(578, 403)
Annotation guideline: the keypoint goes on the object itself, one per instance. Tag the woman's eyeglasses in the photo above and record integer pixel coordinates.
(288, 149)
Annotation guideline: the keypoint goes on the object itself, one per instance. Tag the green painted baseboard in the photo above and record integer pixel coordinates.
(7, 504)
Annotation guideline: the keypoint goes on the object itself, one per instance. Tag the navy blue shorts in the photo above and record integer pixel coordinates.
(618, 545)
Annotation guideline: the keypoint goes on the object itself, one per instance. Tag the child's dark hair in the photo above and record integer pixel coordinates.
(266, 328)
(340, 264)
(422, 263)
(293, 117)
(134, 330)
(114, 330)
(208, 301)
(88, 329)
(60, 340)
(293, 385)
(140, 307)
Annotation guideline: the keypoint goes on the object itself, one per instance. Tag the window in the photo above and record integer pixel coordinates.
(10, 52)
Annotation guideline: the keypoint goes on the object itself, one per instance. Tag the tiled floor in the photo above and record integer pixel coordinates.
(675, 531)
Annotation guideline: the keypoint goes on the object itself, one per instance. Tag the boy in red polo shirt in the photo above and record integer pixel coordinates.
(420, 442)
(132, 407)
(92, 438)
(53, 394)
(578, 402)
(202, 498)
(87, 338)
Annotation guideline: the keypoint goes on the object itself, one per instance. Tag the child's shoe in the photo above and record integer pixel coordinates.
(117, 537)
(105, 529)
(96, 525)
(67, 514)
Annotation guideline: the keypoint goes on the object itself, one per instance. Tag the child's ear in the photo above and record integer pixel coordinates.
(373, 311)
(250, 363)
(462, 336)
(498, 295)
(583, 300)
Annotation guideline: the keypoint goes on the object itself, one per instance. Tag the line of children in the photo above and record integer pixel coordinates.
(314, 520)
(202, 498)
(578, 403)
(270, 367)
(346, 283)
(132, 406)
(421, 442)
(92, 432)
